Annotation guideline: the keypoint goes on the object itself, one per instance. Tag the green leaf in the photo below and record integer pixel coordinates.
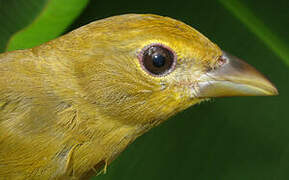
(254, 24)
(49, 24)
(15, 15)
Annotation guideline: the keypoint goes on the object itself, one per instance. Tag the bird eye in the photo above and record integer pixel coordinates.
(157, 60)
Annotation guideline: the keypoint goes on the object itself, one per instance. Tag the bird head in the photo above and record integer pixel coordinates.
(144, 68)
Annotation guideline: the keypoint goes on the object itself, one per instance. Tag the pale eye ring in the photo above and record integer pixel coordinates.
(157, 59)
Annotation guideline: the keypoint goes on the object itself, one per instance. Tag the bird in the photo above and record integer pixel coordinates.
(70, 106)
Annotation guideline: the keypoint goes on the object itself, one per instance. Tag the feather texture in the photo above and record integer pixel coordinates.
(71, 105)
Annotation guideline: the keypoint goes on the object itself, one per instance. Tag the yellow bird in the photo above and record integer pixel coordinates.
(69, 107)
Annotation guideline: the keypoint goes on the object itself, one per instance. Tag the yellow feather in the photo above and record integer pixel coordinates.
(71, 105)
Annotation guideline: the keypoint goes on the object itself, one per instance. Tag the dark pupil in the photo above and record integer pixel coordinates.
(158, 60)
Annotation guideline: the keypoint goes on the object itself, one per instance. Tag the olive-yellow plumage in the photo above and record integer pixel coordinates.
(70, 106)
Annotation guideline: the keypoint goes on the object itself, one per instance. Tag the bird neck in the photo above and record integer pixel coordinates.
(102, 139)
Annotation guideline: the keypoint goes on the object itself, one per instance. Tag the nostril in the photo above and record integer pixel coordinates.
(221, 61)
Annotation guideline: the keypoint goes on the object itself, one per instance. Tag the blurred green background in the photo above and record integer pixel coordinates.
(240, 138)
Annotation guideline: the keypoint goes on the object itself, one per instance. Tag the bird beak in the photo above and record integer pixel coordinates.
(234, 77)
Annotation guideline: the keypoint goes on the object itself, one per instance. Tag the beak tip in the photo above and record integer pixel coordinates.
(275, 91)
(271, 89)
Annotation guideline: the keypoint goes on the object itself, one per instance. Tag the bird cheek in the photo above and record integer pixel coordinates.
(180, 91)
(185, 86)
